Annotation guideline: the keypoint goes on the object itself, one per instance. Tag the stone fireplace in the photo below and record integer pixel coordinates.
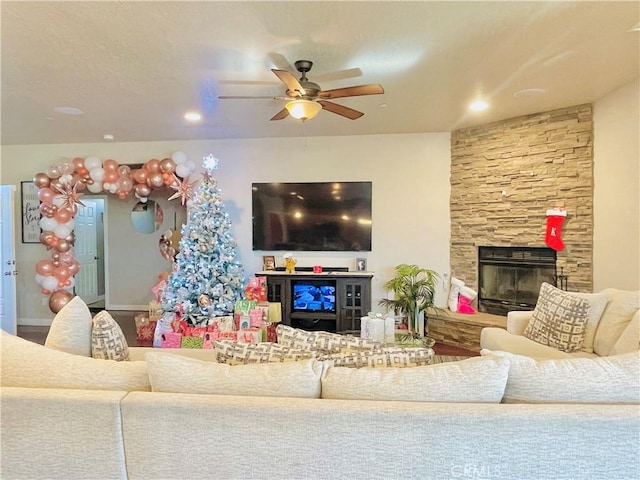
(509, 278)
(504, 177)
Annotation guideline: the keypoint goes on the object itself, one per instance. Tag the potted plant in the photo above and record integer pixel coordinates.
(414, 291)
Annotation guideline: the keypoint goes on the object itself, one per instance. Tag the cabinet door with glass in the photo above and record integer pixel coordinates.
(354, 299)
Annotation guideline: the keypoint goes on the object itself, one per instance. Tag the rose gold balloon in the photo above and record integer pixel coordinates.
(63, 245)
(139, 175)
(111, 176)
(71, 238)
(124, 170)
(154, 180)
(110, 164)
(58, 300)
(142, 190)
(167, 165)
(55, 256)
(74, 268)
(152, 165)
(44, 267)
(56, 183)
(77, 163)
(63, 215)
(46, 195)
(41, 180)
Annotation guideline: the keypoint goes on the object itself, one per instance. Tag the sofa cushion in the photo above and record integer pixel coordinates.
(324, 342)
(235, 353)
(384, 358)
(558, 320)
(572, 380)
(621, 308)
(27, 364)
(70, 329)
(629, 341)
(107, 340)
(473, 380)
(177, 374)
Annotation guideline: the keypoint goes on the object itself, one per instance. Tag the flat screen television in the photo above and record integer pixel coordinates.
(319, 216)
(313, 296)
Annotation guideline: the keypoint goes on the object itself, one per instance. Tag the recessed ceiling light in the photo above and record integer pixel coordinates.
(108, 137)
(68, 110)
(478, 105)
(635, 28)
(529, 92)
(192, 116)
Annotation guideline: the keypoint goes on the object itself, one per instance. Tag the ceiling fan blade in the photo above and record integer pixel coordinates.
(356, 91)
(338, 75)
(243, 97)
(284, 113)
(290, 81)
(347, 112)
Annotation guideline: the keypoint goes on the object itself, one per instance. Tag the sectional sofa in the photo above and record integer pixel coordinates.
(180, 414)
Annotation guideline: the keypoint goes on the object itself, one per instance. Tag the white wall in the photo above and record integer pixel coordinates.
(616, 236)
(410, 175)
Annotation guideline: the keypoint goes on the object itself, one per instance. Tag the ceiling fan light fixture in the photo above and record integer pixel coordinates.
(303, 109)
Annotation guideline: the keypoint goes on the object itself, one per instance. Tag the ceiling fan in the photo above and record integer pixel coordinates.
(305, 99)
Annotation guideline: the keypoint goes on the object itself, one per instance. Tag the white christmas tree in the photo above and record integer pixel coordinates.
(207, 278)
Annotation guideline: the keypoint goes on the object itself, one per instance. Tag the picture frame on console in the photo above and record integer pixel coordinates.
(361, 264)
(268, 262)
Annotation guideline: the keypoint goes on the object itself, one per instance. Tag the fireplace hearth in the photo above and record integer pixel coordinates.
(509, 278)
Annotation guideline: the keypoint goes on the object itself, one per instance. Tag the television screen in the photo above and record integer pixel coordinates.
(308, 297)
(319, 216)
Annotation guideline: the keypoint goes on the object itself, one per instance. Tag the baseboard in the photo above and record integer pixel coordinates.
(35, 322)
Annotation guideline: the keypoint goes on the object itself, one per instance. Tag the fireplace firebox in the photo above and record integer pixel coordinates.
(509, 278)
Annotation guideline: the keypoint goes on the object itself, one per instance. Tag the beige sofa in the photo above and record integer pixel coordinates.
(321, 422)
(613, 328)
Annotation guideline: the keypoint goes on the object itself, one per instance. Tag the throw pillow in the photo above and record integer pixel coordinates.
(558, 320)
(27, 364)
(629, 341)
(234, 353)
(621, 308)
(597, 304)
(177, 374)
(572, 380)
(324, 342)
(384, 358)
(107, 340)
(474, 380)
(70, 329)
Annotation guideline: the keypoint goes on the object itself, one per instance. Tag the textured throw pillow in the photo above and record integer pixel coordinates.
(107, 340)
(234, 353)
(622, 306)
(384, 358)
(29, 365)
(572, 380)
(70, 329)
(474, 380)
(323, 342)
(629, 341)
(559, 319)
(597, 304)
(173, 373)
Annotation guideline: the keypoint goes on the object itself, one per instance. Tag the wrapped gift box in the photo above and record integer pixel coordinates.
(378, 328)
(171, 340)
(250, 336)
(192, 342)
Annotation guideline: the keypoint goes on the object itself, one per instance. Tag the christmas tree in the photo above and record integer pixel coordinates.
(207, 278)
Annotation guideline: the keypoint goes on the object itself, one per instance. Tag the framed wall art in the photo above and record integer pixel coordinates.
(30, 213)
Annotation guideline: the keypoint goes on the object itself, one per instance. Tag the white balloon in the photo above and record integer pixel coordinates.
(192, 165)
(95, 187)
(66, 178)
(39, 278)
(97, 174)
(48, 224)
(50, 283)
(179, 157)
(71, 223)
(113, 188)
(62, 231)
(92, 162)
(182, 170)
(106, 186)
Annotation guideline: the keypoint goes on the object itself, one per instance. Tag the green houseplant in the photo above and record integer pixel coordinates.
(414, 292)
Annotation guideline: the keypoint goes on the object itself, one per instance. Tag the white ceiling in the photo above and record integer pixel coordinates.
(135, 68)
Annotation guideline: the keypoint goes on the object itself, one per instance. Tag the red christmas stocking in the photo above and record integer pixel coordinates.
(555, 219)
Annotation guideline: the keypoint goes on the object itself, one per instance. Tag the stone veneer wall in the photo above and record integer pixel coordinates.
(504, 177)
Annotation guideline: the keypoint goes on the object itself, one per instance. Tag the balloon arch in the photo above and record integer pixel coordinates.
(59, 191)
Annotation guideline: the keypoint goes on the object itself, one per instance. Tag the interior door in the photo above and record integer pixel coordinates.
(8, 313)
(86, 250)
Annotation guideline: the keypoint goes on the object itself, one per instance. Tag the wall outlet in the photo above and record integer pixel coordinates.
(45, 301)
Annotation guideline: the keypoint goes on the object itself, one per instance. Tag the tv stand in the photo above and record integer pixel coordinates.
(353, 298)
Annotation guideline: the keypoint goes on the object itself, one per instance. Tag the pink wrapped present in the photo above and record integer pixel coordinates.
(171, 340)
(249, 336)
